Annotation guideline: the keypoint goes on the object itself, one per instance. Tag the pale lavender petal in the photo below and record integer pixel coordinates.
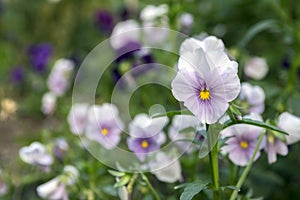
(291, 124)
(239, 157)
(281, 147)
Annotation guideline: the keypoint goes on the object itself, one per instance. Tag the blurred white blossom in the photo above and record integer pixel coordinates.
(48, 103)
(256, 68)
(291, 124)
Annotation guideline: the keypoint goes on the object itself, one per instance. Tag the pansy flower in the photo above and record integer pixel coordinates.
(58, 80)
(77, 118)
(256, 68)
(207, 80)
(242, 141)
(146, 135)
(36, 154)
(184, 127)
(274, 146)
(166, 168)
(254, 97)
(104, 125)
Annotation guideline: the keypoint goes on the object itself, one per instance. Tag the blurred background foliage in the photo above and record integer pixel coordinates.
(265, 28)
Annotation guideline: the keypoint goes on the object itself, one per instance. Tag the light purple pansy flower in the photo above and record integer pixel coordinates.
(242, 142)
(78, 117)
(179, 123)
(291, 124)
(58, 80)
(146, 135)
(274, 146)
(207, 80)
(104, 125)
(36, 154)
(254, 96)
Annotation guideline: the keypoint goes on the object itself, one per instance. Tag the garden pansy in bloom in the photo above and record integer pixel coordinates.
(290, 124)
(179, 123)
(256, 68)
(242, 142)
(254, 97)
(36, 154)
(272, 146)
(146, 134)
(124, 32)
(166, 168)
(207, 80)
(104, 125)
(77, 117)
(58, 80)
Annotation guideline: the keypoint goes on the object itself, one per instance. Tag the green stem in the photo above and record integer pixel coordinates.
(213, 159)
(247, 170)
(155, 195)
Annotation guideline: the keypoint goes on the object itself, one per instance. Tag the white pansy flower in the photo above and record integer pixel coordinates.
(256, 68)
(48, 103)
(291, 124)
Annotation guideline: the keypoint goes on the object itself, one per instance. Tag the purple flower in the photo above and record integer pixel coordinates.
(77, 118)
(242, 142)
(104, 20)
(58, 80)
(274, 146)
(146, 135)
(17, 75)
(53, 189)
(104, 125)
(207, 80)
(60, 148)
(39, 56)
(254, 97)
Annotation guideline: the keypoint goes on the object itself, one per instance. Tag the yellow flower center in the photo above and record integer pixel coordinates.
(104, 131)
(271, 138)
(144, 144)
(244, 144)
(204, 94)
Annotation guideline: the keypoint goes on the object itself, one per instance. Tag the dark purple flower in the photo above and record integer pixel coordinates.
(104, 21)
(39, 55)
(17, 75)
(128, 50)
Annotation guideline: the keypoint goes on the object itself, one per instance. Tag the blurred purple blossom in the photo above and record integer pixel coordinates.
(104, 21)
(274, 146)
(146, 135)
(17, 75)
(39, 55)
(104, 125)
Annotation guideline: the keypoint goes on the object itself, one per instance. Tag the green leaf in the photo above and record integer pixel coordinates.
(257, 28)
(123, 181)
(231, 187)
(255, 123)
(192, 189)
(116, 173)
(171, 114)
(188, 130)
